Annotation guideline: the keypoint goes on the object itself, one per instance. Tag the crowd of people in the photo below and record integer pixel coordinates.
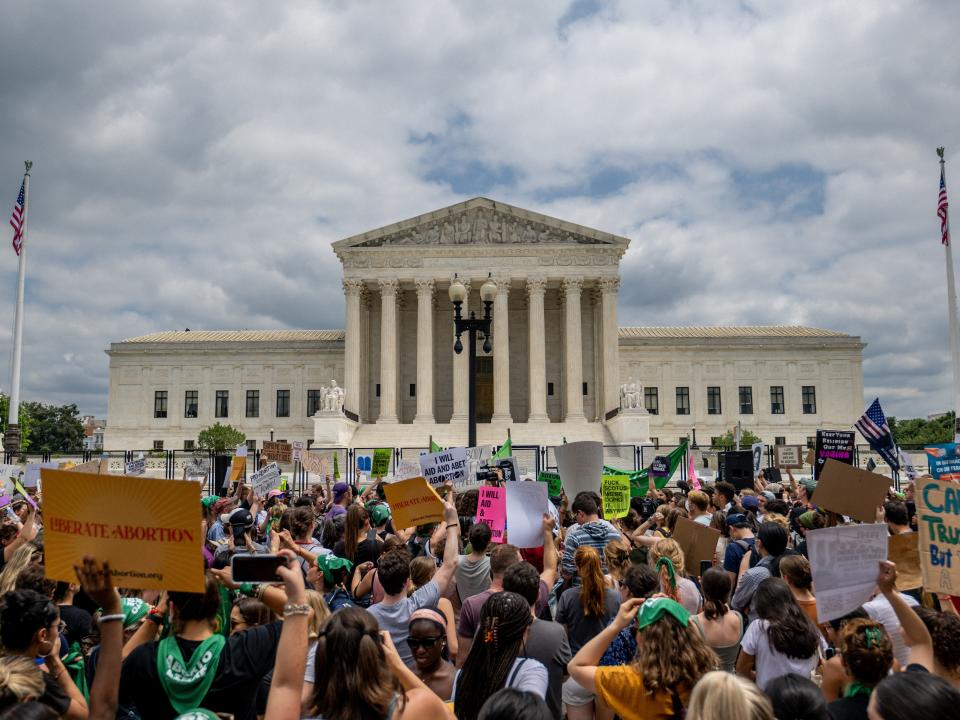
(605, 619)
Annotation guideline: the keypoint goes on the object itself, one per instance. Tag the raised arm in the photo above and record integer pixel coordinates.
(451, 550)
(550, 557)
(921, 644)
(283, 702)
(583, 666)
(98, 584)
(27, 533)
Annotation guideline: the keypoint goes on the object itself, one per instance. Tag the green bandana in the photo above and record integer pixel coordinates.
(134, 610)
(856, 689)
(808, 519)
(197, 714)
(329, 563)
(653, 610)
(671, 571)
(223, 612)
(187, 683)
(209, 501)
(74, 663)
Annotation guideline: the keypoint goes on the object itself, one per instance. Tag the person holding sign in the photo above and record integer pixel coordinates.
(27, 532)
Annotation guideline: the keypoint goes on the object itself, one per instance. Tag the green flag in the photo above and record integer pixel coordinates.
(505, 451)
(434, 448)
(336, 466)
(638, 480)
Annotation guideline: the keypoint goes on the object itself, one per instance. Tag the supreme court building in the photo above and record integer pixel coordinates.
(561, 365)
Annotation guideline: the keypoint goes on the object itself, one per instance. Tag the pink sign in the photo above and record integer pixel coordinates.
(492, 510)
(692, 474)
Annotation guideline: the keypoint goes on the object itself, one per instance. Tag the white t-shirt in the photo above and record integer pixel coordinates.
(880, 610)
(531, 676)
(768, 661)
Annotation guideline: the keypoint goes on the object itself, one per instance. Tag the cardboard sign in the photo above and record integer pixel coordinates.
(698, 542)
(844, 562)
(492, 510)
(904, 550)
(833, 445)
(660, 467)
(297, 452)
(788, 457)
(615, 491)
(938, 515)
(943, 461)
(526, 503)
(758, 450)
(413, 502)
(148, 530)
(381, 462)
(238, 468)
(265, 479)
(554, 485)
(135, 467)
(450, 464)
(851, 491)
(91, 466)
(278, 452)
(580, 465)
(316, 463)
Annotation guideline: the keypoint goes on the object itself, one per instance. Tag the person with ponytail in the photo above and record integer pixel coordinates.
(616, 553)
(584, 610)
(667, 558)
(359, 544)
(495, 660)
(867, 656)
(722, 627)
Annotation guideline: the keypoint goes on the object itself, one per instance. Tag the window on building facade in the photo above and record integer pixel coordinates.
(651, 400)
(779, 440)
(378, 390)
(809, 400)
(191, 399)
(550, 389)
(413, 389)
(776, 400)
(252, 445)
(313, 402)
(585, 389)
(713, 401)
(189, 445)
(222, 406)
(283, 403)
(160, 404)
(683, 401)
(746, 400)
(253, 403)
(158, 444)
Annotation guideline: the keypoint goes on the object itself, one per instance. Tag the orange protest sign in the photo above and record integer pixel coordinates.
(413, 502)
(148, 530)
(238, 468)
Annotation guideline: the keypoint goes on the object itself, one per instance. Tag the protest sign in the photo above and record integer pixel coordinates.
(758, 452)
(238, 468)
(241, 450)
(938, 513)
(697, 541)
(364, 463)
(615, 491)
(265, 479)
(554, 486)
(832, 445)
(508, 466)
(449, 464)
(336, 466)
(526, 504)
(480, 453)
(381, 462)
(904, 550)
(788, 457)
(91, 466)
(845, 561)
(660, 467)
(135, 467)
(22, 491)
(297, 452)
(148, 530)
(413, 502)
(851, 491)
(580, 465)
(492, 510)
(406, 469)
(31, 474)
(279, 452)
(316, 463)
(943, 461)
(7, 475)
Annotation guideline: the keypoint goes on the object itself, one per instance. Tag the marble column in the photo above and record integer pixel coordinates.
(352, 288)
(573, 350)
(536, 288)
(610, 348)
(424, 352)
(461, 376)
(388, 351)
(501, 353)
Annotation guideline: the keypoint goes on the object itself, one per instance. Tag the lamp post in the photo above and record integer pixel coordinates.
(694, 446)
(271, 434)
(472, 325)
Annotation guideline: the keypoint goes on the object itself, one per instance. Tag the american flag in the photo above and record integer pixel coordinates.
(874, 428)
(942, 211)
(16, 222)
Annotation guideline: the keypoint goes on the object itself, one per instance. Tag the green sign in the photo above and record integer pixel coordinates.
(555, 486)
(639, 481)
(615, 491)
(381, 462)
(336, 466)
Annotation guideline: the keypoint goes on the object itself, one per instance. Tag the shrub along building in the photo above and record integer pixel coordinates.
(560, 366)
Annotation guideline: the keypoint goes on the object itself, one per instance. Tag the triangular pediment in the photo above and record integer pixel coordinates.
(481, 221)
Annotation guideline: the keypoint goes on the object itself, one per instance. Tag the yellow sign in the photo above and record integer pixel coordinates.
(148, 530)
(413, 502)
(615, 491)
(238, 468)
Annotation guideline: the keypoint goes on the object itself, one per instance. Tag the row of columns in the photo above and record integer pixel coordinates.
(536, 288)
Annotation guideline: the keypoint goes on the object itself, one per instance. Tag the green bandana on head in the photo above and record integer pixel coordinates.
(652, 610)
(186, 683)
(209, 501)
(329, 563)
(197, 714)
(671, 571)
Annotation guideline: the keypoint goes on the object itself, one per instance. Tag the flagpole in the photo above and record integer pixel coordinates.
(12, 438)
(952, 314)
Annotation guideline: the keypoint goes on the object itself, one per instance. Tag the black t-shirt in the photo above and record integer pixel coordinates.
(246, 658)
(854, 708)
(367, 551)
(78, 623)
(54, 696)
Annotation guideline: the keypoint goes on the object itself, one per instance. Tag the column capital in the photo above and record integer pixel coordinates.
(503, 285)
(608, 284)
(389, 287)
(425, 286)
(353, 286)
(536, 286)
(573, 284)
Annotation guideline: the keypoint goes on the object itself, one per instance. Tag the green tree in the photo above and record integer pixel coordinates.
(54, 428)
(24, 421)
(920, 431)
(220, 437)
(747, 439)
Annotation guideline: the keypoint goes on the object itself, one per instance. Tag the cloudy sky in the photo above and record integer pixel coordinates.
(773, 162)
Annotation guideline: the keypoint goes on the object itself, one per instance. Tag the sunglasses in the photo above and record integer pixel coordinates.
(427, 642)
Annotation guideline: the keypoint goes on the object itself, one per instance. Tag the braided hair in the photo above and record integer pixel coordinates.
(504, 618)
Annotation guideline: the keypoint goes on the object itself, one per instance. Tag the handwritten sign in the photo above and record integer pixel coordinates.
(297, 452)
(833, 445)
(944, 461)
(660, 467)
(615, 491)
(492, 510)
(413, 502)
(450, 464)
(526, 504)
(381, 462)
(938, 511)
(135, 467)
(758, 450)
(278, 452)
(265, 479)
(788, 457)
(554, 485)
(148, 530)
(844, 562)
(316, 463)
